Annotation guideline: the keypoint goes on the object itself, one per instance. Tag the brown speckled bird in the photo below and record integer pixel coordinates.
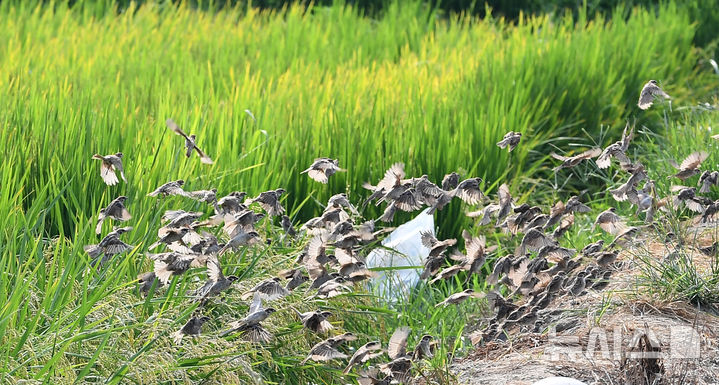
(690, 165)
(115, 210)
(109, 246)
(327, 350)
(170, 188)
(191, 328)
(650, 91)
(610, 222)
(110, 164)
(316, 321)
(572, 161)
(323, 168)
(366, 352)
(460, 297)
(510, 140)
(190, 142)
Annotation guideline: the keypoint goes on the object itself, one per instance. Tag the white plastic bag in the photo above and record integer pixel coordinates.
(407, 250)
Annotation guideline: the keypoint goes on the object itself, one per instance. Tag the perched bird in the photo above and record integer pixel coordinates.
(190, 142)
(707, 179)
(606, 258)
(110, 164)
(191, 328)
(216, 281)
(592, 248)
(115, 210)
(690, 165)
(650, 91)
(323, 168)
(460, 297)
(424, 348)
(269, 290)
(510, 139)
(572, 161)
(270, 202)
(250, 325)
(610, 222)
(577, 285)
(602, 283)
(327, 350)
(109, 246)
(316, 321)
(286, 224)
(365, 353)
(624, 237)
(170, 188)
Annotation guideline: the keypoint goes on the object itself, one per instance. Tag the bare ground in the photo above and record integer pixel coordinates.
(600, 330)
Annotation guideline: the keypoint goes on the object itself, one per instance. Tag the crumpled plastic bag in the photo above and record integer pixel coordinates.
(402, 247)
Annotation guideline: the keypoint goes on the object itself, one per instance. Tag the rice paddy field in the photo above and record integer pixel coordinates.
(266, 92)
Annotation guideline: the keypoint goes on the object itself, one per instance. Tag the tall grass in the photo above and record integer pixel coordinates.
(435, 93)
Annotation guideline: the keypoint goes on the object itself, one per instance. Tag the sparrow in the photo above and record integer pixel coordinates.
(592, 248)
(110, 164)
(650, 91)
(190, 142)
(450, 181)
(617, 150)
(316, 321)
(510, 139)
(707, 179)
(216, 281)
(191, 328)
(366, 352)
(610, 222)
(115, 210)
(468, 191)
(251, 326)
(110, 245)
(170, 264)
(270, 202)
(286, 224)
(460, 297)
(572, 161)
(170, 188)
(322, 168)
(327, 350)
(241, 239)
(690, 165)
(268, 290)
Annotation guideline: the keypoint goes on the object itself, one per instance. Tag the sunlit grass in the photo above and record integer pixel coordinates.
(435, 93)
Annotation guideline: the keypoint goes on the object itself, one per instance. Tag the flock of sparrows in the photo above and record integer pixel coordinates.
(332, 261)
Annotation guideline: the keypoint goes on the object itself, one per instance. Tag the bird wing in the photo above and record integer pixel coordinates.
(108, 174)
(398, 342)
(256, 304)
(694, 160)
(214, 270)
(175, 128)
(203, 157)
